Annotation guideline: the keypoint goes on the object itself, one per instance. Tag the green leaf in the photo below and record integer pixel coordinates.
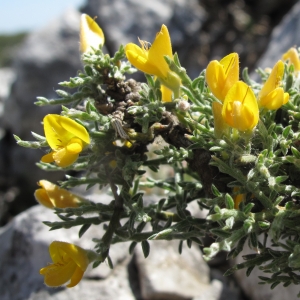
(146, 248)
(180, 247)
(229, 202)
(109, 261)
(132, 247)
(83, 229)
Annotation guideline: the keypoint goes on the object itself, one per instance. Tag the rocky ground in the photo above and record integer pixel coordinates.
(200, 30)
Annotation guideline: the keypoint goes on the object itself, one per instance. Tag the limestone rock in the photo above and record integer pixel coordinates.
(165, 274)
(24, 251)
(48, 56)
(284, 36)
(125, 20)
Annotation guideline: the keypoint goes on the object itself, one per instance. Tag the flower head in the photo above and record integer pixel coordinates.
(69, 264)
(66, 138)
(293, 57)
(150, 58)
(271, 95)
(51, 195)
(91, 35)
(238, 198)
(240, 109)
(221, 76)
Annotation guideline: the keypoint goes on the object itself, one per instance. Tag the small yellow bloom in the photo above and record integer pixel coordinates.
(271, 95)
(240, 109)
(66, 138)
(91, 35)
(69, 264)
(51, 195)
(293, 57)
(220, 126)
(166, 94)
(238, 198)
(150, 59)
(221, 76)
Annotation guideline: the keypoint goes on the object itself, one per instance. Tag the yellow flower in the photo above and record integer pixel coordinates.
(66, 138)
(69, 264)
(166, 94)
(220, 126)
(91, 35)
(51, 195)
(150, 59)
(238, 198)
(221, 76)
(293, 57)
(271, 95)
(240, 109)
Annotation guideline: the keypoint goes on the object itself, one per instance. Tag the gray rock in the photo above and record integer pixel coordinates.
(48, 56)
(125, 20)
(269, 6)
(7, 76)
(24, 251)
(165, 274)
(284, 36)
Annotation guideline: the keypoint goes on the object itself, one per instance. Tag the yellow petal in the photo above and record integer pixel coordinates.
(286, 98)
(221, 76)
(215, 78)
(74, 128)
(161, 47)
(238, 199)
(42, 197)
(63, 158)
(230, 65)
(48, 158)
(240, 109)
(56, 196)
(274, 100)
(74, 146)
(166, 94)
(59, 130)
(56, 135)
(139, 59)
(76, 253)
(137, 50)
(273, 80)
(59, 273)
(76, 277)
(152, 61)
(91, 35)
(293, 56)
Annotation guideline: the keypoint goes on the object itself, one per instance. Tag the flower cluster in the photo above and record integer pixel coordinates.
(239, 106)
(232, 144)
